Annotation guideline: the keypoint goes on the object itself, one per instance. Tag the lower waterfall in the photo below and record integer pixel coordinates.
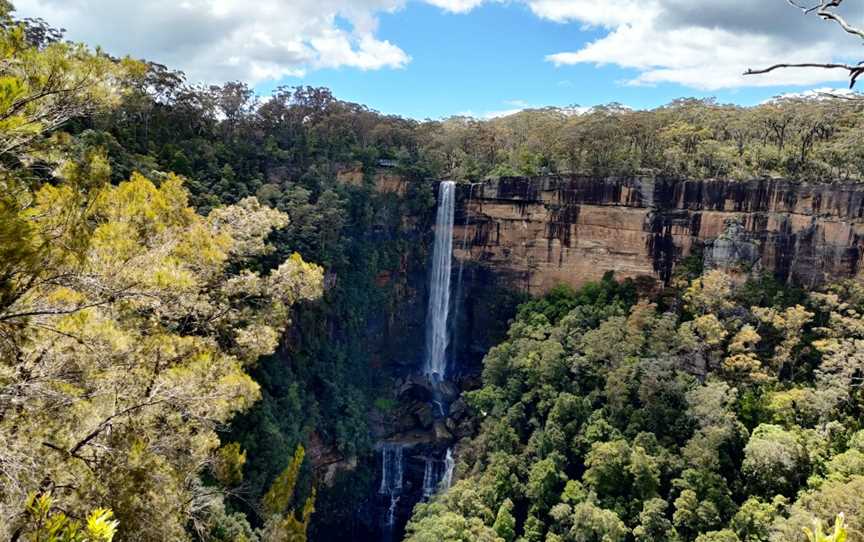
(391, 469)
(429, 478)
(392, 472)
(391, 512)
(449, 465)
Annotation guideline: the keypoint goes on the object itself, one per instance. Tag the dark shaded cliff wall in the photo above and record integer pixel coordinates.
(535, 233)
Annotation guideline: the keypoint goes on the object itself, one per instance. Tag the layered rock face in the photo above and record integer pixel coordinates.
(538, 232)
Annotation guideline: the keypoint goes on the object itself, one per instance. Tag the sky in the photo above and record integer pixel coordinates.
(485, 58)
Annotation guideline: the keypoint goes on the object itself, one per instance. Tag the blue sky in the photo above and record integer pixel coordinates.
(435, 58)
(491, 60)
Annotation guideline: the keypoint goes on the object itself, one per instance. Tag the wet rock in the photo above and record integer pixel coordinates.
(410, 439)
(450, 423)
(449, 392)
(441, 432)
(423, 414)
(415, 387)
(458, 409)
(471, 381)
(465, 428)
(333, 469)
(405, 422)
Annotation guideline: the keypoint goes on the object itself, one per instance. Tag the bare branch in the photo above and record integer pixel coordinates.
(804, 9)
(830, 66)
(826, 13)
(825, 10)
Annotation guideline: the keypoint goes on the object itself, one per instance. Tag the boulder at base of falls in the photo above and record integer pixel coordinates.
(458, 409)
(465, 428)
(411, 439)
(450, 423)
(422, 414)
(441, 432)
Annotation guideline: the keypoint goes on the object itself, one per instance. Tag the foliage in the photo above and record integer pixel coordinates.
(788, 137)
(602, 423)
(44, 525)
(128, 322)
(817, 535)
(126, 349)
(282, 523)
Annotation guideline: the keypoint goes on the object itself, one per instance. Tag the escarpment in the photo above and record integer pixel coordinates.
(534, 233)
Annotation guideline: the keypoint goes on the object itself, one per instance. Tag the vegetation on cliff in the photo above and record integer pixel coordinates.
(816, 139)
(730, 412)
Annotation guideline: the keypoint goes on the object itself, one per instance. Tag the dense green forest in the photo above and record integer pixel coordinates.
(729, 412)
(186, 291)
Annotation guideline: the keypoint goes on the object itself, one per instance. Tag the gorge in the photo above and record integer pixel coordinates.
(526, 235)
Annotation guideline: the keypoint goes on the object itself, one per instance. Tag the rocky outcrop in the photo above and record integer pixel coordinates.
(534, 233)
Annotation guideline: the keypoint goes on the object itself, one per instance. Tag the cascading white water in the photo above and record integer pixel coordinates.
(391, 478)
(429, 478)
(449, 465)
(391, 469)
(437, 337)
(391, 511)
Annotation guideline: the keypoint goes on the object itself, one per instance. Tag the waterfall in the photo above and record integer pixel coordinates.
(391, 512)
(429, 478)
(391, 482)
(437, 338)
(391, 469)
(449, 464)
(440, 408)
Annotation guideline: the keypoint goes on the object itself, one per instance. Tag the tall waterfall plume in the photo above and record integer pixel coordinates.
(437, 332)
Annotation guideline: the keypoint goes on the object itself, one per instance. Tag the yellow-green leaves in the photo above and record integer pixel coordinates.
(43, 524)
(247, 223)
(43, 87)
(228, 465)
(279, 496)
(817, 535)
(133, 325)
(282, 521)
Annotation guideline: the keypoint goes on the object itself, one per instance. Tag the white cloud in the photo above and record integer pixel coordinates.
(220, 40)
(610, 13)
(456, 6)
(702, 44)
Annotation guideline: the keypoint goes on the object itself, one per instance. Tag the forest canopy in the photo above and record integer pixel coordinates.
(730, 413)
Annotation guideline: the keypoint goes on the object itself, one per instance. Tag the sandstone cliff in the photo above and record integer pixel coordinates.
(535, 233)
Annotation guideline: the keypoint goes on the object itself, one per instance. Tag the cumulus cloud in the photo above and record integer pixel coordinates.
(703, 44)
(456, 6)
(221, 40)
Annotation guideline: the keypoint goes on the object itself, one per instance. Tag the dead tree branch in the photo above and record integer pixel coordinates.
(826, 9)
